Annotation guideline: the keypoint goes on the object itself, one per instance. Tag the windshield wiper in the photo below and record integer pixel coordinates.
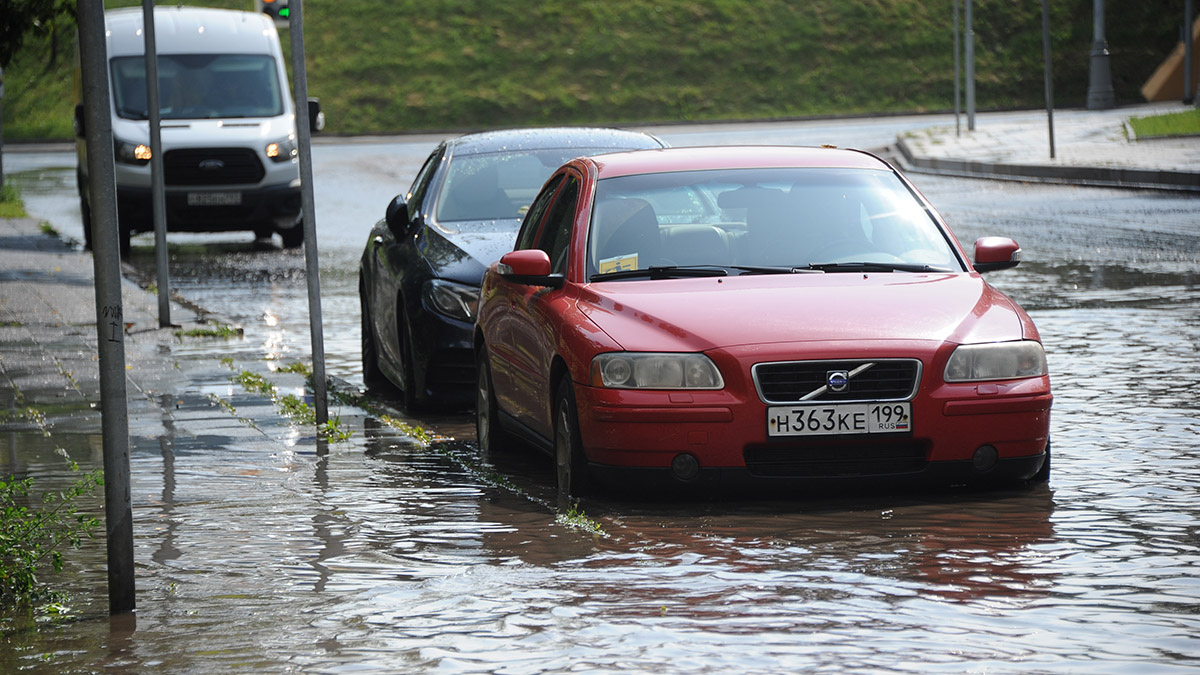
(131, 114)
(874, 267)
(664, 272)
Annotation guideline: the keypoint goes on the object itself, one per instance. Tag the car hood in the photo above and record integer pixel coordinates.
(462, 250)
(723, 312)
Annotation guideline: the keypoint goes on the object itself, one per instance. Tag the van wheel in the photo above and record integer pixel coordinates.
(123, 235)
(85, 213)
(293, 237)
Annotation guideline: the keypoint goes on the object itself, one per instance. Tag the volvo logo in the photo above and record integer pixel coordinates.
(212, 164)
(837, 380)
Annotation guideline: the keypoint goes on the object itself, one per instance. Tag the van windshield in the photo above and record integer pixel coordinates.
(200, 86)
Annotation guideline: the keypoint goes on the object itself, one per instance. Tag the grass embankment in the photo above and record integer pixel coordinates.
(11, 205)
(1186, 123)
(389, 66)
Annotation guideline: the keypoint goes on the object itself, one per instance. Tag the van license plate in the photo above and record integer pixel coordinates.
(214, 198)
(840, 418)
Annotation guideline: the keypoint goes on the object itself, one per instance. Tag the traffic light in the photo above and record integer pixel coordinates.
(276, 9)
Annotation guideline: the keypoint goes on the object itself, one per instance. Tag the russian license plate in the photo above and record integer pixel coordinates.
(839, 419)
(214, 198)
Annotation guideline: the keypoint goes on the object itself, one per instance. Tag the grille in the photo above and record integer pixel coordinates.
(885, 379)
(831, 459)
(223, 166)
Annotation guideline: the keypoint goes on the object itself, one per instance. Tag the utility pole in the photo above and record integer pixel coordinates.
(1189, 76)
(308, 210)
(110, 327)
(970, 67)
(157, 191)
(1100, 91)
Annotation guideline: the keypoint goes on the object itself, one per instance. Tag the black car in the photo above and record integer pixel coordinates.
(422, 266)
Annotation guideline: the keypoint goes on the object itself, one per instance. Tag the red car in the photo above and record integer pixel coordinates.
(759, 316)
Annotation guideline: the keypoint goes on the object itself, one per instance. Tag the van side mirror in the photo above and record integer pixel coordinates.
(316, 118)
(996, 253)
(396, 216)
(78, 121)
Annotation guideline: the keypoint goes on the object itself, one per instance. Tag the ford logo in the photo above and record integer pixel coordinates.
(212, 164)
(837, 380)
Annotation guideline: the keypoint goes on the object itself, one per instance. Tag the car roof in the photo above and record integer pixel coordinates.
(553, 137)
(190, 30)
(733, 157)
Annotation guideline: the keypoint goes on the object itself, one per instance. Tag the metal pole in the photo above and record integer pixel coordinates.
(970, 34)
(957, 75)
(1189, 77)
(1100, 91)
(1048, 72)
(110, 329)
(1, 127)
(308, 208)
(157, 193)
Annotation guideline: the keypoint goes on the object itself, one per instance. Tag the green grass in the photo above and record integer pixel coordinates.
(11, 205)
(394, 66)
(1185, 123)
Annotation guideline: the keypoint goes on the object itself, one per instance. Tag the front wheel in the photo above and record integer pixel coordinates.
(488, 432)
(293, 237)
(570, 460)
(373, 377)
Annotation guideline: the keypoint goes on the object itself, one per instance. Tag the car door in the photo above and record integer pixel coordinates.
(532, 311)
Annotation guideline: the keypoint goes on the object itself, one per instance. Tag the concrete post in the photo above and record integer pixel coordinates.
(1100, 91)
(308, 209)
(157, 191)
(110, 328)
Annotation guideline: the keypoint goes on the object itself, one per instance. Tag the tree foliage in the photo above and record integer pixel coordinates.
(41, 18)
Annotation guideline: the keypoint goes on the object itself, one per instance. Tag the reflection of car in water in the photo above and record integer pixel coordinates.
(228, 128)
(420, 272)
(820, 326)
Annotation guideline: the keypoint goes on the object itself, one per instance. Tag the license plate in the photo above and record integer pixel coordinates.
(839, 419)
(214, 198)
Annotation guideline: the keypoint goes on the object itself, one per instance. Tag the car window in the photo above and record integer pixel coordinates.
(556, 233)
(529, 228)
(779, 217)
(420, 185)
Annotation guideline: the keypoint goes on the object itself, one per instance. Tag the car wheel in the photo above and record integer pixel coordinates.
(372, 376)
(85, 215)
(264, 231)
(293, 237)
(123, 235)
(490, 436)
(1043, 474)
(570, 460)
(408, 387)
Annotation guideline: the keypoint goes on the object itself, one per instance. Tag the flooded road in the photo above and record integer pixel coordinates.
(383, 554)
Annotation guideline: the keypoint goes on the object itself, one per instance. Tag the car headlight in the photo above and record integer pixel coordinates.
(996, 361)
(131, 153)
(649, 370)
(283, 150)
(456, 301)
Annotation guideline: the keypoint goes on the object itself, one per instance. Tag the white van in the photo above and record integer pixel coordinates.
(228, 125)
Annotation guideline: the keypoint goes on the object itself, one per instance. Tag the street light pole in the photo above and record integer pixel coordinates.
(1189, 76)
(970, 37)
(1100, 91)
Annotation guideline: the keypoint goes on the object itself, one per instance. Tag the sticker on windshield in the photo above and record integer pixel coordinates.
(620, 263)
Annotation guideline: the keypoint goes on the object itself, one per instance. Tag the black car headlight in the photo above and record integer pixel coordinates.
(654, 370)
(131, 153)
(996, 361)
(457, 301)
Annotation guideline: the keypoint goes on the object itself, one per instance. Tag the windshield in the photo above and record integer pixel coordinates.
(499, 185)
(199, 86)
(763, 220)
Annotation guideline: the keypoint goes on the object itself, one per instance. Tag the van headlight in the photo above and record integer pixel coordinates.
(653, 370)
(457, 301)
(996, 361)
(131, 153)
(282, 150)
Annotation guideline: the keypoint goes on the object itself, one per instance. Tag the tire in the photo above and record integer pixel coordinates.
(123, 235)
(85, 215)
(265, 231)
(293, 237)
(490, 436)
(1043, 474)
(408, 387)
(373, 377)
(569, 458)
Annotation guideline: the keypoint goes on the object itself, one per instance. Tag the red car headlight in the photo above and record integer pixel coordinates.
(654, 370)
(996, 361)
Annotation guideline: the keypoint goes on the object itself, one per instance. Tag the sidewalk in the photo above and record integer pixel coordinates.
(1091, 148)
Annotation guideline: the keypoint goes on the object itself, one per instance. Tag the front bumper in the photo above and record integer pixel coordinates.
(258, 207)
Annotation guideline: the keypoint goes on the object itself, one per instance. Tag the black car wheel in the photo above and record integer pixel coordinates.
(408, 387)
(569, 458)
(490, 436)
(372, 376)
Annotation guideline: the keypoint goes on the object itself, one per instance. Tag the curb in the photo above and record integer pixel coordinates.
(1140, 179)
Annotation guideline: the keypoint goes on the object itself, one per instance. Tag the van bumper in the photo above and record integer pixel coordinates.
(211, 210)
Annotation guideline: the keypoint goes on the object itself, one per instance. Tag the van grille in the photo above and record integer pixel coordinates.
(212, 166)
(792, 381)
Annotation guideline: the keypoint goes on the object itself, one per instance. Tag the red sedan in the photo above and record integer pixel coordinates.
(759, 316)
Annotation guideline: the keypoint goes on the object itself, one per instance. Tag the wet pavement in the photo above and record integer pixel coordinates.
(261, 548)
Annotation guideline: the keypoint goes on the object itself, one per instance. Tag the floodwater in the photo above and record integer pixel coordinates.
(385, 555)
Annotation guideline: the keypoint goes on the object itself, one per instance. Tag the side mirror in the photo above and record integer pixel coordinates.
(316, 118)
(529, 266)
(78, 121)
(996, 253)
(396, 216)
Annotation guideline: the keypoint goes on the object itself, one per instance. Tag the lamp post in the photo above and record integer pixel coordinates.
(1100, 91)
